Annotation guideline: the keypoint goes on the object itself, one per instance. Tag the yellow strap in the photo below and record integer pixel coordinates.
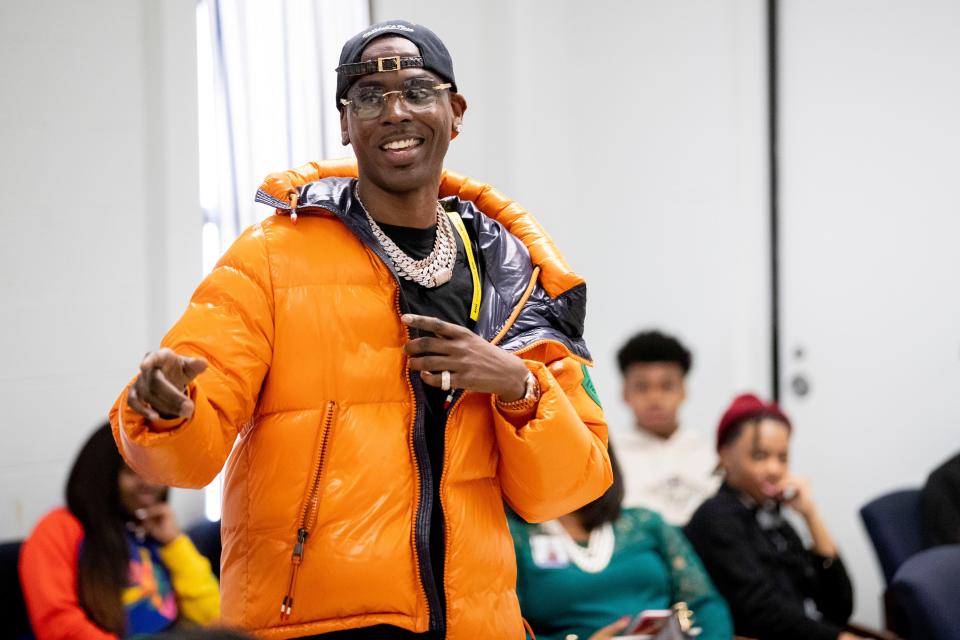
(462, 230)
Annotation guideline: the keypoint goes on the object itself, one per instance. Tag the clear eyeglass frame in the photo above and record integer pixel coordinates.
(415, 97)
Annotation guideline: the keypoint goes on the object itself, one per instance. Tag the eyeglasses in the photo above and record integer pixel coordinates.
(368, 102)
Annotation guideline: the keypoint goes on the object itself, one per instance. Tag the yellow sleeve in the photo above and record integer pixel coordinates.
(198, 592)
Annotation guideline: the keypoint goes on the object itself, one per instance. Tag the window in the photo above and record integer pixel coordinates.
(266, 91)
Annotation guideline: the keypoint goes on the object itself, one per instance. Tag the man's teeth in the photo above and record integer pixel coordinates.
(400, 144)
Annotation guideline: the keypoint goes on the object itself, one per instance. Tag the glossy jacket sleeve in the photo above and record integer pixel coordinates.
(48, 576)
(229, 323)
(556, 462)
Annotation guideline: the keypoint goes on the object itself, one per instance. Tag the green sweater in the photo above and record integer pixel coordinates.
(653, 567)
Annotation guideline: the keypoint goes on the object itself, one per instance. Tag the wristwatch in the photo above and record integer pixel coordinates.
(529, 399)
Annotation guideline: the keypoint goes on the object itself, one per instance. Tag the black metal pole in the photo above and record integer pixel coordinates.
(773, 138)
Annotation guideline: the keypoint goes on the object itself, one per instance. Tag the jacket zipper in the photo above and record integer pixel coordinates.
(443, 484)
(457, 401)
(421, 525)
(309, 515)
(418, 443)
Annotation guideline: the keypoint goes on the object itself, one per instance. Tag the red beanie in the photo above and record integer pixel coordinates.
(744, 407)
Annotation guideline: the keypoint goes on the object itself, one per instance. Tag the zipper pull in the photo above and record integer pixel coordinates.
(286, 605)
(298, 548)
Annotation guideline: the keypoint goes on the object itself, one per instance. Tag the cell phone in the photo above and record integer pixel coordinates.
(649, 622)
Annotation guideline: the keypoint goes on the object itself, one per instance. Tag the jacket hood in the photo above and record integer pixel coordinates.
(279, 188)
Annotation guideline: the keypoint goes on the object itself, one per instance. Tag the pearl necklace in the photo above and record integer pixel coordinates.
(434, 270)
(593, 558)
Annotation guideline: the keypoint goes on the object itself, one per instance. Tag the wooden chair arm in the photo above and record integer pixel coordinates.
(860, 630)
(869, 632)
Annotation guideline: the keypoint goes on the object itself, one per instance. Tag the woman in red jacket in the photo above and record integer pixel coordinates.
(114, 562)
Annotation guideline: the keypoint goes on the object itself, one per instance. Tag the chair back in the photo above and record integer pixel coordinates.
(206, 538)
(894, 524)
(922, 599)
(13, 610)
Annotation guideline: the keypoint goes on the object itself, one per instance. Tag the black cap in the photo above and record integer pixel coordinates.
(433, 54)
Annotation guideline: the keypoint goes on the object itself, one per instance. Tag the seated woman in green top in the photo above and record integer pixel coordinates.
(588, 573)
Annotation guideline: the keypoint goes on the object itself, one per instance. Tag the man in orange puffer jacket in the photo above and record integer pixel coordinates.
(396, 367)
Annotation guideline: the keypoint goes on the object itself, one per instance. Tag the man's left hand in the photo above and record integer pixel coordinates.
(474, 364)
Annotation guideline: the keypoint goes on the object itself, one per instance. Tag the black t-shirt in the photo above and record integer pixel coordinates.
(449, 302)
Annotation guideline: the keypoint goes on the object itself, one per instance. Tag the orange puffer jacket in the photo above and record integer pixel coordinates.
(325, 500)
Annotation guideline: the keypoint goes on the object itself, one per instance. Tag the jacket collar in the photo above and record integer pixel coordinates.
(508, 270)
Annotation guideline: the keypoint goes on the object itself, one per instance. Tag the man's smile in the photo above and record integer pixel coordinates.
(405, 143)
(402, 149)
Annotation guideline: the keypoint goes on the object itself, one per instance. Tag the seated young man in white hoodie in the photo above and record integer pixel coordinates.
(666, 468)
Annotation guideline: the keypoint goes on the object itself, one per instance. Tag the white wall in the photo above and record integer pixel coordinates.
(101, 241)
(636, 133)
(871, 220)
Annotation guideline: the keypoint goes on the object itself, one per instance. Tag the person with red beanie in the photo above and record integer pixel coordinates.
(754, 556)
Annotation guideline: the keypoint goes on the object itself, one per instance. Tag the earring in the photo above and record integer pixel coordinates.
(459, 127)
